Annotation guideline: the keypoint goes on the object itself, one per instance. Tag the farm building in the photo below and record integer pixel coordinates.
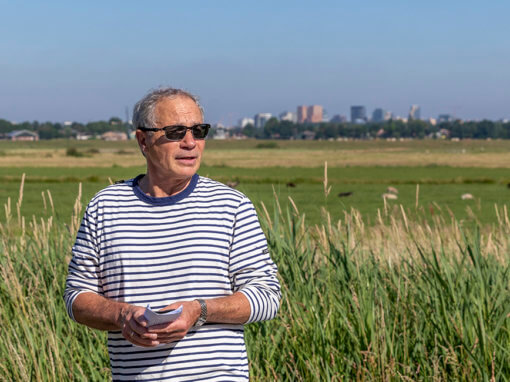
(22, 135)
(114, 136)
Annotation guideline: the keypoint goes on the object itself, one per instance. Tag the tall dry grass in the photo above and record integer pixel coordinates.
(404, 299)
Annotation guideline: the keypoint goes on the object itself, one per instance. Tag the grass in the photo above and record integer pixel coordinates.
(440, 188)
(245, 154)
(406, 298)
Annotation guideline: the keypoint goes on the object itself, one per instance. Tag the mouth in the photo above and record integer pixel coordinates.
(186, 159)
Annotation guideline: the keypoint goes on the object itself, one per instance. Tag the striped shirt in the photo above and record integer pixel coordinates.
(203, 242)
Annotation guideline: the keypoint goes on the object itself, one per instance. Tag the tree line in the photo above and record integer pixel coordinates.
(418, 129)
(49, 130)
(275, 129)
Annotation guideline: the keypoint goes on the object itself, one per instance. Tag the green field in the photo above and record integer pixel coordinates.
(440, 188)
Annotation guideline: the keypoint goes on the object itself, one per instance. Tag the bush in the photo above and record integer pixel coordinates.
(268, 145)
(73, 152)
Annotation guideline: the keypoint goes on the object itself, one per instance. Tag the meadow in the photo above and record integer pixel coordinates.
(443, 171)
(416, 288)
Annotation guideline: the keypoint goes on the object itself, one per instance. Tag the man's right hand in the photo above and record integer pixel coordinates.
(134, 326)
(98, 312)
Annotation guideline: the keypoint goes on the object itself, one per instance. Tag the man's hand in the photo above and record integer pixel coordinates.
(176, 330)
(134, 326)
(101, 313)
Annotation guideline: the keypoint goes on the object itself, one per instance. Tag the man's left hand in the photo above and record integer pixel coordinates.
(176, 330)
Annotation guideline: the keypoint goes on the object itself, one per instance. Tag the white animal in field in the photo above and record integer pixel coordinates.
(392, 190)
(467, 197)
(389, 196)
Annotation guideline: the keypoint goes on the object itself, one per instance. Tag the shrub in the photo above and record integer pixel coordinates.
(267, 145)
(73, 152)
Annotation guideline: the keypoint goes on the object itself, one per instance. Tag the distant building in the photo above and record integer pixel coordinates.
(338, 118)
(83, 136)
(22, 135)
(302, 112)
(261, 119)
(314, 114)
(414, 112)
(358, 114)
(445, 118)
(378, 115)
(308, 135)
(381, 115)
(220, 133)
(243, 122)
(288, 116)
(114, 136)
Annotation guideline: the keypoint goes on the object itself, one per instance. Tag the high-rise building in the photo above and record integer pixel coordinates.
(339, 118)
(358, 114)
(378, 115)
(246, 121)
(288, 116)
(381, 115)
(445, 118)
(314, 114)
(414, 112)
(261, 119)
(301, 114)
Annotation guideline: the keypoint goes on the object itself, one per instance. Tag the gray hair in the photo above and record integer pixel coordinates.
(143, 111)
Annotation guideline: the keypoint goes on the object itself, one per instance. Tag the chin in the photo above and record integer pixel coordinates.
(187, 172)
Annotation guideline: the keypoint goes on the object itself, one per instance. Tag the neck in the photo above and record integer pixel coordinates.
(161, 187)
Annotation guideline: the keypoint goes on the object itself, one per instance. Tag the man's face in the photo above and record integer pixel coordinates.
(177, 160)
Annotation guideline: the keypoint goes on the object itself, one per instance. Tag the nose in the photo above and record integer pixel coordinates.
(188, 141)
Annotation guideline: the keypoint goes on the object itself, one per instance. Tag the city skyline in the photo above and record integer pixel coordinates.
(90, 61)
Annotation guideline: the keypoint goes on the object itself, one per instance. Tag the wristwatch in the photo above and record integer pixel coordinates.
(203, 313)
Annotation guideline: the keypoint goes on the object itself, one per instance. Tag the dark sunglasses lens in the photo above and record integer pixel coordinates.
(175, 133)
(200, 131)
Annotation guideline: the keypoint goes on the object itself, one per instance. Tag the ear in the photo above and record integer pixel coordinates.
(141, 138)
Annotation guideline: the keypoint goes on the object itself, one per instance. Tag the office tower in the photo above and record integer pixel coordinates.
(445, 118)
(358, 114)
(261, 119)
(246, 121)
(378, 115)
(301, 114)
(338, 118)
(314, 114)
(414, 112)
(288, 116)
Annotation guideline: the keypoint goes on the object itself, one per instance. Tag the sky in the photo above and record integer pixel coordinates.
(85, 61)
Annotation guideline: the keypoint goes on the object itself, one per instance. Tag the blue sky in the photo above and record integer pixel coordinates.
(87, 61)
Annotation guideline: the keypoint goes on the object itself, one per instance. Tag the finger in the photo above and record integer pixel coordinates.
(140, 320)
(136, 339)
(139, 329)
(160, 328)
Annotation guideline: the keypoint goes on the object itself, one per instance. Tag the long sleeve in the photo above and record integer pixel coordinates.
(83, 272)
(251, 269)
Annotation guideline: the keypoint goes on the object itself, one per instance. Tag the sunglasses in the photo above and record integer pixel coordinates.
(176, 133)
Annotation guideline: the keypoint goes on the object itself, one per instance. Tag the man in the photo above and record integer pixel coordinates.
(170, 238)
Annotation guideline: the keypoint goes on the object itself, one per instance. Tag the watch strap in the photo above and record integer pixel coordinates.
(203, 312)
